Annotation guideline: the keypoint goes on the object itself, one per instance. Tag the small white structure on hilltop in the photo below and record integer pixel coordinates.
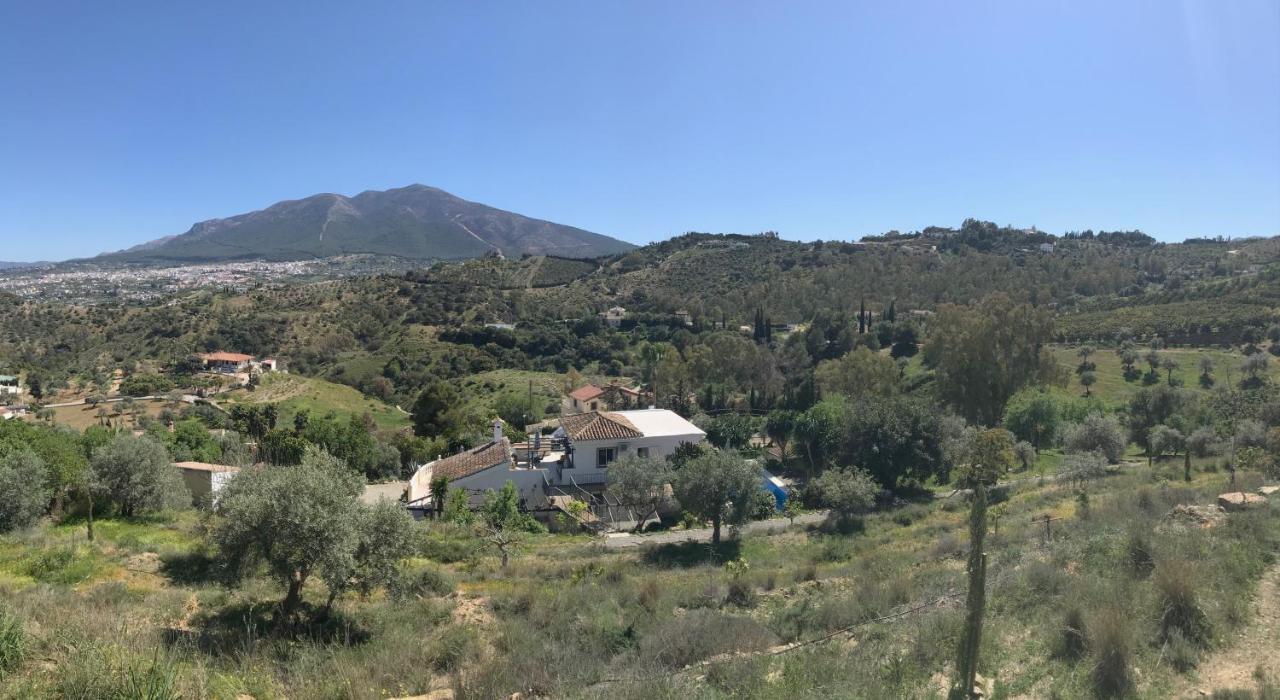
(573, 462)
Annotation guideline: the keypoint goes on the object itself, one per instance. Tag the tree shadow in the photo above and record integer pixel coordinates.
(687, 554)
(236, 631)
(189, 568)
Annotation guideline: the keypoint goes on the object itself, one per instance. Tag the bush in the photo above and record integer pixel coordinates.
(1073, 639)
(1182, 653)
(701, 634)
(1096, 433)
(1112, 647)
(1177, 605)
(13, 641)
(1139, 555)
(421, 583)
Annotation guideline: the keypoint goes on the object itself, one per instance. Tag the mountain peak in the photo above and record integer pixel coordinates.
(416, 221)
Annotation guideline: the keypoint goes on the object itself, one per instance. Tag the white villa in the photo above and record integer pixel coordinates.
(10, 385)
(573, 461)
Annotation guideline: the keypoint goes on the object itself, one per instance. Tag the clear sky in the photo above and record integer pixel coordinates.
(123, 122)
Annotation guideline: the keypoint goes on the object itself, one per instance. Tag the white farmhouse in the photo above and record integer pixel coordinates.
(573, 461)
(597, 438)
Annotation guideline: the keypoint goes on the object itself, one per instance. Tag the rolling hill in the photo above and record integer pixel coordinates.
(415, 222)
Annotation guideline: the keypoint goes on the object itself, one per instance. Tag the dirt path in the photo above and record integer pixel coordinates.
(1233, 665)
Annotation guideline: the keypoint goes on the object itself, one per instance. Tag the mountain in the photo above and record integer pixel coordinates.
(416, 222)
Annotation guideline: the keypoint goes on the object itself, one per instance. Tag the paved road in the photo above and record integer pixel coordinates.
(622, 541)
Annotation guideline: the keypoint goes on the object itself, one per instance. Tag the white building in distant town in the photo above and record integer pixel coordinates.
(10, 385)
(576, 458)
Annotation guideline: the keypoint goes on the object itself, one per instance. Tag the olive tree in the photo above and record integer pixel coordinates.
(1096, 433)
(305, 520)
(848, 492)
(1166, 440)
(640, 483)
(717, 486)
(24, 489)
(135, 474)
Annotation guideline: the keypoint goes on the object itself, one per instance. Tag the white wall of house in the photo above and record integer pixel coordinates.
(529, 482)
(586, 453)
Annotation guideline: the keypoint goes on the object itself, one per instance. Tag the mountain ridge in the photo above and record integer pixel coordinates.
(415, 222)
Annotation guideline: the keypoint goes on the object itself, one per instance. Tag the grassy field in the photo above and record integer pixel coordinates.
(484, 389)
(83, 416)
(570, 618)
(296, 393)
(1112, 388)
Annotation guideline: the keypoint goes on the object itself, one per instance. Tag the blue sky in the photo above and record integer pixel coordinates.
(123, 122)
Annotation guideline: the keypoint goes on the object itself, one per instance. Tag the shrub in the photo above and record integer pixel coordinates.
(1178, 607)
(421, 583)
(1182, 653)
(1111, 643)
(1096, 433)
(1073, 639)
(1138, 554)
(701, 634)
(13, 641)
(449, 647)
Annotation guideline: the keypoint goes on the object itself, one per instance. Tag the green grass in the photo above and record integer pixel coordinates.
(483, 389)
(294, 393)
(570, 618)
(1113, 390)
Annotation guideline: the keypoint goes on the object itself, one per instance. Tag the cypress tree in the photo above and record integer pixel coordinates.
(862, 317)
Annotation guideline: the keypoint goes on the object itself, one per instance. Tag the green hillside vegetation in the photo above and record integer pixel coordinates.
(294, 394)
(569, 618)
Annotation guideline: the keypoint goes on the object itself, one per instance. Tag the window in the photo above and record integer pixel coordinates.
(593, 405)
(642, 452)
(604, 456)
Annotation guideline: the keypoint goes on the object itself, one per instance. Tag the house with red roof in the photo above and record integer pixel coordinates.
(611, 396)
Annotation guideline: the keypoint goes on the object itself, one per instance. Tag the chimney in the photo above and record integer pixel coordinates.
(497, 430)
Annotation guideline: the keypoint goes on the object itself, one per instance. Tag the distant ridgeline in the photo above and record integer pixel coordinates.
(543, 309)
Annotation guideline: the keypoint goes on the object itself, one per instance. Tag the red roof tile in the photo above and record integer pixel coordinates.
(586, 393)
(474, 460)
(598, 426)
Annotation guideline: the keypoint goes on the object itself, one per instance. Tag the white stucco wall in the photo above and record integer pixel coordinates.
(585, 451)
(529, 482)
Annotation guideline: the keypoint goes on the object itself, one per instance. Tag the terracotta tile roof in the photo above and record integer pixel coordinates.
(597, 425)
(586, 393)
(226, 357)
(476, 459)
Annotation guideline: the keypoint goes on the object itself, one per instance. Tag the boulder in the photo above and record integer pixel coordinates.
(1239, 500)
(1268, 490)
